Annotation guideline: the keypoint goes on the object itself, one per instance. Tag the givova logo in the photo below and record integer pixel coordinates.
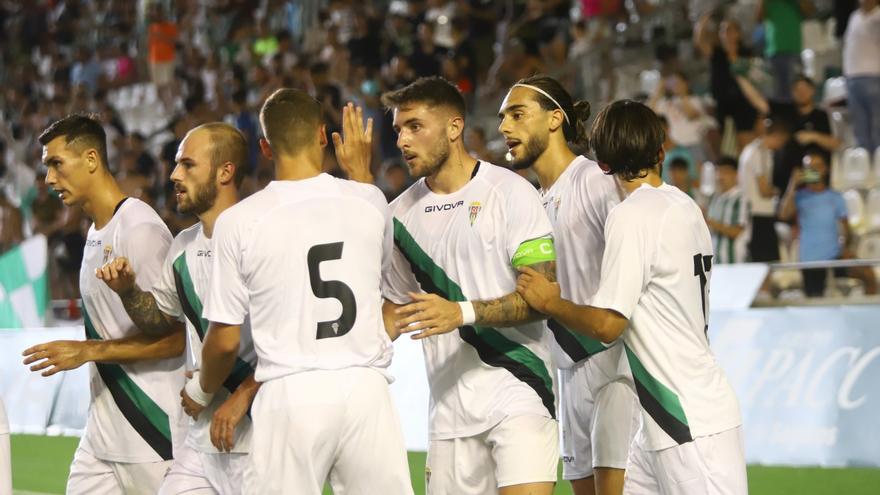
(443, 207)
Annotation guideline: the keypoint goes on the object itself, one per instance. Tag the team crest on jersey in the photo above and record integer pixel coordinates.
(474, 210)
(107, 251)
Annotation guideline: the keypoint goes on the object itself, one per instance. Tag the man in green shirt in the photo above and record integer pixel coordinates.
(783, 43)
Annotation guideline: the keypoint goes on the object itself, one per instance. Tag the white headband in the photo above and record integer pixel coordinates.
(539, 90)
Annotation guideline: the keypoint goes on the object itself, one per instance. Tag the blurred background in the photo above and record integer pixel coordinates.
(773, 127)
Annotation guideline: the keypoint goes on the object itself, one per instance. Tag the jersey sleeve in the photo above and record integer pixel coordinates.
(626, 264)
(527, 228)
(146, 245)
(227, 299)
(603, 196)
(840, 210)
(164, 290)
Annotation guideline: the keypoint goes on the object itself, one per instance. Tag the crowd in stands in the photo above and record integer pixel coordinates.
(729, 82)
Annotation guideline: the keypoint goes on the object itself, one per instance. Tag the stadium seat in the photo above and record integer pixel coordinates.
(835, 91)
(856, 167)
(813, 35)
(808, 60)
(855, 206)
(872, 210)
(869, 246)
(649, 79)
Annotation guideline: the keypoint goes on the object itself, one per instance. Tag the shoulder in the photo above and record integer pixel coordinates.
(135, 214)
(409, 198)
(504, 181)
(367, 192)
(186, 236)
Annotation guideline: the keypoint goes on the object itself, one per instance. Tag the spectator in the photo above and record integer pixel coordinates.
(727, 215)
(728, 58)
(861, 66)
(396, 178)
(162, 37)
(11, 232)
(426, 57)
(756, 184)
(822, 217)
(782, 39)
(674, 151)
(685, 113)
(810, 126)
(679, 176)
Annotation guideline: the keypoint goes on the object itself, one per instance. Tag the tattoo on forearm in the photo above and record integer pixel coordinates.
(145, 313)
(512, 309)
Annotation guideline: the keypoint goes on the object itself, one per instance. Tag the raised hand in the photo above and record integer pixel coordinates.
(354, 147)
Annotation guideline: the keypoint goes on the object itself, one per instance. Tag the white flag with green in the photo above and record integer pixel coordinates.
(24, 284)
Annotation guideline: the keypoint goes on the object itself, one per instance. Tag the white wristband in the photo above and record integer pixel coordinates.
(468, 315)
(194, 391)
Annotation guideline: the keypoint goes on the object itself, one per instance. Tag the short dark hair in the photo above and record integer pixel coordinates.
(803, 78)
(627, 137)
(228, 144)
(433, 91)
(576, 113)
(81, 130)
(290, 118)
(727, 161)
(777, 124)
(679, 163)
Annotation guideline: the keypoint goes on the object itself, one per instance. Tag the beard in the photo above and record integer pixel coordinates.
(203, 198)
(534, 147)
(433, 161)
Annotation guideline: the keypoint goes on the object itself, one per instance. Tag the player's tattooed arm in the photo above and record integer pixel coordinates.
(512, 309)
(140, 305)
(145, 313)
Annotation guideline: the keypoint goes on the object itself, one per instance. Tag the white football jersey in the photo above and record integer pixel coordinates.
(135, 410)
(461, 246)
(578, 204)
(304, 259)
(180, 293)
(655, 272)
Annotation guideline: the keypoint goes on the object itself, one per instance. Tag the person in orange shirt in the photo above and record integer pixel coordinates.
(162, 34)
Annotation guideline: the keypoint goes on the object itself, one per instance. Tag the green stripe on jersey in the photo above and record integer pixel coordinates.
(192, 308)
(661, 403)
(144, 415)
(492, 346)
(186, 292)
(535, 251)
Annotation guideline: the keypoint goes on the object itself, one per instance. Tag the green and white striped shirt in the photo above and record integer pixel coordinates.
(729, 208)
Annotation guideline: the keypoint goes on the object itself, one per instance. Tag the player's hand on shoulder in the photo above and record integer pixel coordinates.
(59, 355)
(226, 419)
(427, 315)
(354, 147)
(536, 289)
(117, 274)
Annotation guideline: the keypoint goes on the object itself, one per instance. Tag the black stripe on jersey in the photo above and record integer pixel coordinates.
(188, 310)
(138, 420)
(679, 431)
(492, 357)
(487, 353)
(567, 341)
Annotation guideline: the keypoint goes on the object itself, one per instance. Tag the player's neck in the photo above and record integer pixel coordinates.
(552, 163)
(208, 218)
(652, 179)
(454, 173)
(297, 167)
(103, 200)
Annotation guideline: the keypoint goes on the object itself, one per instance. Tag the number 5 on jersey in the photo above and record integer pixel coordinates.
(331, 289)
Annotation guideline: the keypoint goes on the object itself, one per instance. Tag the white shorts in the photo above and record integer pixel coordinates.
(318, 424)
(520, 449)
(198, 473)
(710, 465)
(597, 431)
(90, 475)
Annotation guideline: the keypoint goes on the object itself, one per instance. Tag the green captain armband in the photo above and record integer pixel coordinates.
(535, 251)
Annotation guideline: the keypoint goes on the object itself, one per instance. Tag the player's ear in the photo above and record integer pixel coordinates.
(322, 136)
(455, 128)
(226, 174)
(557, 119)
(91, 157)
(265, 149)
